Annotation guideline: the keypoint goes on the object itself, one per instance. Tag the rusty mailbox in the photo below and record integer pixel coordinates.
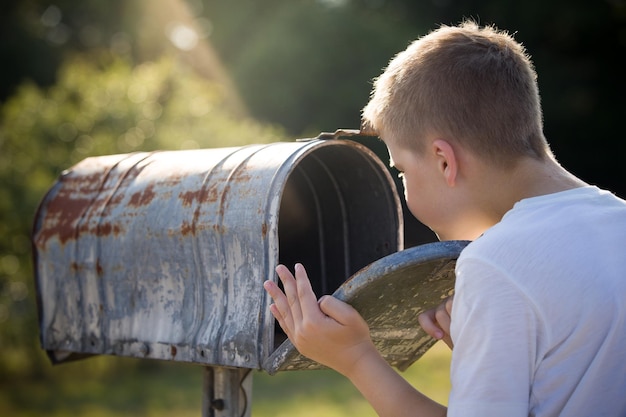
(163, 254)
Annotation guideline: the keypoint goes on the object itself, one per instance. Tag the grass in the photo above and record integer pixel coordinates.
(120, 387)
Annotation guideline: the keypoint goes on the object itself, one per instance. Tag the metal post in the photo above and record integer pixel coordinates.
(227, 392)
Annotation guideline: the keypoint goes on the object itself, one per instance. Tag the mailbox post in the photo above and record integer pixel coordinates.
(162, 255)
(227, 392)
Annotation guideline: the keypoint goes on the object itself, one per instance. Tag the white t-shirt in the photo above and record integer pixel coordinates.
(539, 315)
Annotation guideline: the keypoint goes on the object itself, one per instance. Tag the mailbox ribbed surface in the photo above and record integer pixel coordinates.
(163, 255)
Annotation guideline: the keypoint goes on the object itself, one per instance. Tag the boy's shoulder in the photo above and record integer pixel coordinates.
(586, 214)
(557, 210)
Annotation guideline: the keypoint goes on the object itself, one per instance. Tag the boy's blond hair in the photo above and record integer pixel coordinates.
(475, 86)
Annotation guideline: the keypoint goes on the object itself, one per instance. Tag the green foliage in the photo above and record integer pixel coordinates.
(307, 65)
(81, 389)
(100, 105)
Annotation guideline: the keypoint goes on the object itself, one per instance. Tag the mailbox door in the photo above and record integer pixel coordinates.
(390, 293)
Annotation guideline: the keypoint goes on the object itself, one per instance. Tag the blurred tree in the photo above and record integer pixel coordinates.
(306, 64)
(36, 34)
(98, 106)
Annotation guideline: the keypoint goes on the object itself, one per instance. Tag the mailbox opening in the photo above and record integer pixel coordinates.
(338, 214)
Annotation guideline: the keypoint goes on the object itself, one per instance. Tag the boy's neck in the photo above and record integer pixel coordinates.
(534, 178)
(498, 189)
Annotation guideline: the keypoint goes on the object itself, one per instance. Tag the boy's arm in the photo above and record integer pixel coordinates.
(332, 333)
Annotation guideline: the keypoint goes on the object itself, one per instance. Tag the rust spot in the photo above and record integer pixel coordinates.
(114, 201)
(241, 176)
(187, 228)
(264, 230)
(62, 215)
(211, 195)
(107, 228)
(142, 198)
(63, 211)
(200, 196)
(67, 213)
(173, 350)
(222, 208)
(188, 197)
(99, 268)
(86, 194)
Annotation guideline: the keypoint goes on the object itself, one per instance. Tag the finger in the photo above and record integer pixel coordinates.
(280, 309)
(448, 338)
(429, 324)
(442, 318)
(338, 310)
(291, 292)
(449, 305)
(276, 294)
(306, 296)
(280, 320)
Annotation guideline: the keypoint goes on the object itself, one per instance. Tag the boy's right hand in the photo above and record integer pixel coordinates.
(328, 331)
(436, 321)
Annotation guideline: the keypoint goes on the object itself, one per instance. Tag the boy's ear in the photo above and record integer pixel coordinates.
(447, 161)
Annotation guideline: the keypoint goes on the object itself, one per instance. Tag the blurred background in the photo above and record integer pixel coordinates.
(94, 77)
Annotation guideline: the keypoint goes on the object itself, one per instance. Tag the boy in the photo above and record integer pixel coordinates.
(539, 315)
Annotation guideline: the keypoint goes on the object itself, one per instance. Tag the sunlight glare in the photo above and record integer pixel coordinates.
(182, 36)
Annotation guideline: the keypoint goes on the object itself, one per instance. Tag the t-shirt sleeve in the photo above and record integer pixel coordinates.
(494, 329)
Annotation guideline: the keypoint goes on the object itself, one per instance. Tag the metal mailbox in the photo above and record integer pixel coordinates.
(163, 255)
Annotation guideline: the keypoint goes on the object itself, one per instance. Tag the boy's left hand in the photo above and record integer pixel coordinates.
(328, 331)
(436, 321)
